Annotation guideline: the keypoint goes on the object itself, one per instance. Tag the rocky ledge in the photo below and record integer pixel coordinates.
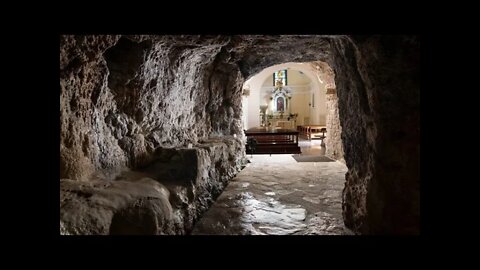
(162, 198)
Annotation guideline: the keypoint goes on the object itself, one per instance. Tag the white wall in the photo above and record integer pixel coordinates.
(303, 85)
(300, 105)
(268, 81)
(296, 77)
(253, 103)
(318, 111)
(245, 112)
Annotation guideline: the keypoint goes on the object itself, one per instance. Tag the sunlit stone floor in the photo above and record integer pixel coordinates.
(276, 195)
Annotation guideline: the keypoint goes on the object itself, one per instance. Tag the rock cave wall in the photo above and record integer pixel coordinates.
(333, 140)
(124, 98)
(378, 87)
(130, 105)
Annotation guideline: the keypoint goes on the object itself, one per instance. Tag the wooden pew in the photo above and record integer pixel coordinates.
(272, 141)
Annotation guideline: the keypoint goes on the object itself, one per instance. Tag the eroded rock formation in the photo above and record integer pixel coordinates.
(378, 88)
(165, 197)
(333, 141)
(126, 100)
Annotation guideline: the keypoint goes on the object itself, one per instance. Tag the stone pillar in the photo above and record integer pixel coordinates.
(333, 140)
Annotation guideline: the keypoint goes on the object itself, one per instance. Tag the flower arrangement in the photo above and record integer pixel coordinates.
(292, 116)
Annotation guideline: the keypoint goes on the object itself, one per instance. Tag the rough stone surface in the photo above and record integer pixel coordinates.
(378, 87)
(165, 197)
(333, 141)
(115, 207)
(123, 97)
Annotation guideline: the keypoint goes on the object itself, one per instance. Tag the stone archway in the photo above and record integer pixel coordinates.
(253, 84)
(378, 88)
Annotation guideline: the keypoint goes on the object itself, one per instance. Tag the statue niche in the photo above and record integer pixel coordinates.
(280, 95)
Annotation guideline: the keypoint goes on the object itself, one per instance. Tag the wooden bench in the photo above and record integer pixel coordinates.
(272, 141)
(317, 132)
(312, 131)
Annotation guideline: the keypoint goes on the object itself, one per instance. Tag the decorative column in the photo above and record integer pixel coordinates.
(289, 105)
(263, 115)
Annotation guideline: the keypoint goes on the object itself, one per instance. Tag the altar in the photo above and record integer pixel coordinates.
(278, 113)
(283, 123)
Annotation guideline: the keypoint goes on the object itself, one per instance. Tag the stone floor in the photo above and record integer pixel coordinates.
(275, 195)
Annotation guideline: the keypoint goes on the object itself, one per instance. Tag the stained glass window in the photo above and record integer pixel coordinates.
(281, 74)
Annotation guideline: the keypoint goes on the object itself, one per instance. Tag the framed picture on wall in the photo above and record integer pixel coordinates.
(280, 104)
